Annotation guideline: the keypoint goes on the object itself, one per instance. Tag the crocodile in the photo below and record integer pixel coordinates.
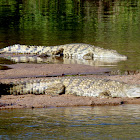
(79, 86)
(77, 51)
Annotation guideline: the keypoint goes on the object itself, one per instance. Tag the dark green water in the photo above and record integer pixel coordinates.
(104, 122)
(111, 24)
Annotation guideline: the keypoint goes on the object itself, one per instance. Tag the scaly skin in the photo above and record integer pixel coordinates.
(77, 51)
(74, 85)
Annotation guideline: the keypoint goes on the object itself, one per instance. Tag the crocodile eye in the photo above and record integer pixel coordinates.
(88, 56)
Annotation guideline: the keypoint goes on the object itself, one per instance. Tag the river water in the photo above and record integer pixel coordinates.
(102, 122)
(111, 24)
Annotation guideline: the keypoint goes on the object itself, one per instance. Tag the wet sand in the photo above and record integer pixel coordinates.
(30, 71)
(41, 70)
(44, 101)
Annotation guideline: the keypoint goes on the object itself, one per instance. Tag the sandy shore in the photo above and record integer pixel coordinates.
(43, 101)
(41, 70)
(28, 71)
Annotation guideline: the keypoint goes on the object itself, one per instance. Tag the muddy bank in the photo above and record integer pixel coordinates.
(42, 70)
(31, 71)
(43, 101)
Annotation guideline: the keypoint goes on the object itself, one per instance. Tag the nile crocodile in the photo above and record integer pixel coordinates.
(77, 51)
(80, 86)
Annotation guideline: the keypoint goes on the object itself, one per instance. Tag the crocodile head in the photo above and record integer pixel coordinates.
(105, 53)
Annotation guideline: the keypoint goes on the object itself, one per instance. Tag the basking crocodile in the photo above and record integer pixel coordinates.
(77, 51)
(81, 86)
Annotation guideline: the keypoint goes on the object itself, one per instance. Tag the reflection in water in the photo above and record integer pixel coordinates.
(62, 60)
(104, 122)
(5, 61)
(110, 24)
(4, 67)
